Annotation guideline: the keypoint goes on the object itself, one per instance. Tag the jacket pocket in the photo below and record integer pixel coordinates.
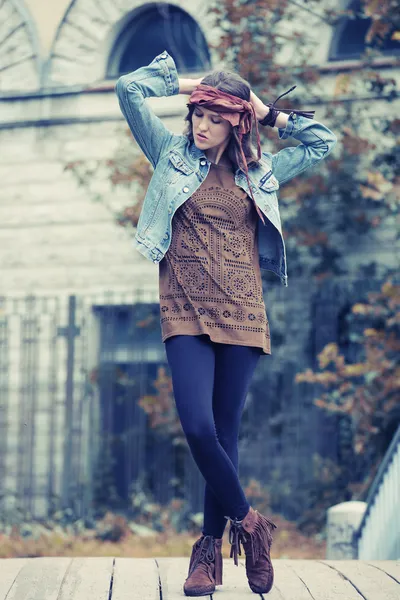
(177, 160)
(269, 183)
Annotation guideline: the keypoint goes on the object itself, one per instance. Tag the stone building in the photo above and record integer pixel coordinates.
(65, 262)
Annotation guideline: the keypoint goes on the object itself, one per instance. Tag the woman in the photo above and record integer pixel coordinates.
(210, 219)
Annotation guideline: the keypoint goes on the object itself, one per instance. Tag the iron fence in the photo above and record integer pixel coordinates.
(76, 373)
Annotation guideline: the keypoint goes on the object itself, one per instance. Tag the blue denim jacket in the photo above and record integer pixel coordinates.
(180, 167)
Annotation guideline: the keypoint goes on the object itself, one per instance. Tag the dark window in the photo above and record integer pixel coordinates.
(152, 29)
(349, 38)
(130, 355)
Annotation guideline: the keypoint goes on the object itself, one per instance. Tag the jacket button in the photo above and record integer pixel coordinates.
(186, 189)
(164, 55)
(166, 236)
(203, 162)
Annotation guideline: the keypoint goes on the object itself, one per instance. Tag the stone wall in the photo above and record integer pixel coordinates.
(54, 233)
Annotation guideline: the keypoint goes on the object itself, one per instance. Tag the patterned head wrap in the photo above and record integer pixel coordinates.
(241, 114)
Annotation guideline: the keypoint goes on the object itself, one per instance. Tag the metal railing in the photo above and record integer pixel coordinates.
(77, 371)
(75, 375)
(378, 537)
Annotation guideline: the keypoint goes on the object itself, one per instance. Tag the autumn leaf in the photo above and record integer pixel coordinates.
(328, 354)
(305, 376)
(376, 8)
(147, 322)
(342, 84)
(327, 378)
(359, 309)
(354, 370)
(377, 186)
(378, 29)
(355, 144)
(370, 332)
(368, 192)
(388, 289)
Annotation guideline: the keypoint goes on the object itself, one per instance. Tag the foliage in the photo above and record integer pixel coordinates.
(289, 542)
(365, 394)
(148, 529)
(355, 190)
(161, 408)
(330, 212)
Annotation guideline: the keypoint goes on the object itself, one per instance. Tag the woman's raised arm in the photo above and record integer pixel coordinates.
(187, 86)
(159, 78)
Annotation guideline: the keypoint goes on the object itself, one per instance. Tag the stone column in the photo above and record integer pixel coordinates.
(343, 520)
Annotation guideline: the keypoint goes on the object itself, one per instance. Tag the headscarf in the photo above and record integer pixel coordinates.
(241, 114)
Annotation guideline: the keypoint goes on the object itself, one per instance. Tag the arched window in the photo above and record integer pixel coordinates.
(152, 29)
(349, 38)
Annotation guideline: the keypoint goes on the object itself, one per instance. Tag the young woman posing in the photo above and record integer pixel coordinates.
(210, 219)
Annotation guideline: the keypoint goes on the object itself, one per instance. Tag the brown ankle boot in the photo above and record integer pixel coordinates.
(205, 567)
(255, 533)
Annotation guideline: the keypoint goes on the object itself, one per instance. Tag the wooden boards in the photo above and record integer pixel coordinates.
(109, 578)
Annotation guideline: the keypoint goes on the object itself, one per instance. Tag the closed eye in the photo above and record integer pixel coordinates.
(201, 114)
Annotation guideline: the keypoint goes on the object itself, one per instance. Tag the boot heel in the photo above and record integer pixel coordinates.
(218, 567)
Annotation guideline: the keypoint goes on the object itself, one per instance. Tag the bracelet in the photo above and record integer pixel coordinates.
(271, 117)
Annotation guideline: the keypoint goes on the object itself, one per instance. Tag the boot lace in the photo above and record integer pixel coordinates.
(260, 538)
(204, 553)
(236, 536)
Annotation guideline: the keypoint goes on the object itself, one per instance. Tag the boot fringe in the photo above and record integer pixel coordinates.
(261, 537)
(236, 535)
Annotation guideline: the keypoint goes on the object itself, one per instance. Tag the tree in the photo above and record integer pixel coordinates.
(353, 193)
(356, 188)
(364, 394)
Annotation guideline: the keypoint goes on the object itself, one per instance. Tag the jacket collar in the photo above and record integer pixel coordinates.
(197, 154)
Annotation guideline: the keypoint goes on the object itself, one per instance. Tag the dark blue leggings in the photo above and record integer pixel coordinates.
(210, 382)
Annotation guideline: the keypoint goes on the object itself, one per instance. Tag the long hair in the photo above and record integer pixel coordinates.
(230, 83)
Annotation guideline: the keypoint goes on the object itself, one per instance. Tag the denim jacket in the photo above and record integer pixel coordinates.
(180, 167)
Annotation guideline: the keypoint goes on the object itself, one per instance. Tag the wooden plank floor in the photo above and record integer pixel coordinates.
(163, 578)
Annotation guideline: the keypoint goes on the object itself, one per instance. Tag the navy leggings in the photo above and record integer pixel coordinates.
(210, 382)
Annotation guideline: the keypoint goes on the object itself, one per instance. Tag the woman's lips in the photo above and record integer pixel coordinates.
(202, 137)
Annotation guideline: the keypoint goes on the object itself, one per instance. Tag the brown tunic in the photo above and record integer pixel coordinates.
(210, 279)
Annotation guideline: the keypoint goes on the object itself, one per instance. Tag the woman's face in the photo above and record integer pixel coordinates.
(212, 126)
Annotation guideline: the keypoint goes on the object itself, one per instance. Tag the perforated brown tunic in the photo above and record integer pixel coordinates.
(210, 279)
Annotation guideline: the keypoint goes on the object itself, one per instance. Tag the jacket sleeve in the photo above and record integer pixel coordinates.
(316, 139)
(159, 78)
